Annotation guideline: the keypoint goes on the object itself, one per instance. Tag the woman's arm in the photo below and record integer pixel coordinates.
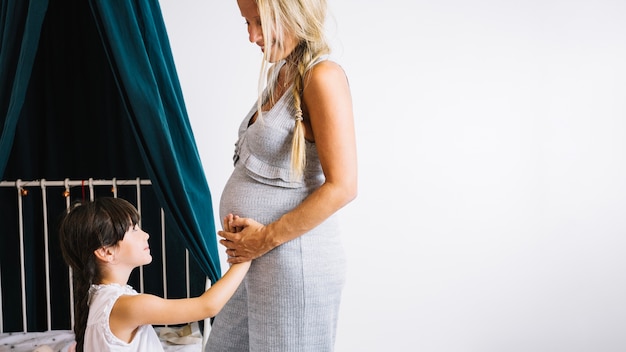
(328, 106)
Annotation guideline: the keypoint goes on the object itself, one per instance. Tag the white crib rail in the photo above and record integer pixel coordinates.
(22, 191)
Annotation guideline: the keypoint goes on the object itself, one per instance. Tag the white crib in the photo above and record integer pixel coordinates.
(49, 320)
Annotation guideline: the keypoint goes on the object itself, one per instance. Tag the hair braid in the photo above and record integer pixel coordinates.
(298, 147)
(82, 283)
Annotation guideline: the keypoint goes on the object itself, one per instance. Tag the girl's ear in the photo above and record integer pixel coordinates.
(105, 254)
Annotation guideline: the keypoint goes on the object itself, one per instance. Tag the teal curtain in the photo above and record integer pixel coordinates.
(20, 30)
(134, 40)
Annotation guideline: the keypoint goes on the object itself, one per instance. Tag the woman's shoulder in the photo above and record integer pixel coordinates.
(326, 66)
(325, 73)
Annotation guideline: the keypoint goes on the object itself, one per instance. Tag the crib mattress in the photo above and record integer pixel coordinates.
(61, 340)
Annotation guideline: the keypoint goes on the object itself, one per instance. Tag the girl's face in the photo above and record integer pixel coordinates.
(250, 11)
(134, 249)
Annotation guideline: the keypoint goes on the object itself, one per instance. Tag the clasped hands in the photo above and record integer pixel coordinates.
(244, 238)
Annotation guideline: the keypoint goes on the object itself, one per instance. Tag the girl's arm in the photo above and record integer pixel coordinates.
(130, 312)
(328, 106)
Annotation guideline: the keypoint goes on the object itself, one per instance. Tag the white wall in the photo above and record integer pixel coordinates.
(492, 151)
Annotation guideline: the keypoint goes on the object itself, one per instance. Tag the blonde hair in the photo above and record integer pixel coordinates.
(304, 19)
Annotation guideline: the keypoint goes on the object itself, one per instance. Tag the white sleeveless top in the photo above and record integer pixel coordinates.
(98, 335)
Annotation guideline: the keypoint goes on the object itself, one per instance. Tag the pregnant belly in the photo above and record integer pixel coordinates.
(246, 197)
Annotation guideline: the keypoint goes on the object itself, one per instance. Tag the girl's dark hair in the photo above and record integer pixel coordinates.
(85, 228)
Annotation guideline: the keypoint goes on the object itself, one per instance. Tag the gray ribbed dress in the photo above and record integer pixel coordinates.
(290, 298)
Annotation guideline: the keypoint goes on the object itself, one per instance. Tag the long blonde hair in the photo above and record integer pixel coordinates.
(304, 19)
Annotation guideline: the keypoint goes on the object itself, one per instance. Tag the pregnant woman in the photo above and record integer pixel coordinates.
(295, 167)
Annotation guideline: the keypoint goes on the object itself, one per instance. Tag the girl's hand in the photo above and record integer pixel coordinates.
(244, 238)
(228, 220)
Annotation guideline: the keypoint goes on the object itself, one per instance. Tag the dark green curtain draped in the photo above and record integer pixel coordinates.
(135, 38)
(19, 31)
(137, 49)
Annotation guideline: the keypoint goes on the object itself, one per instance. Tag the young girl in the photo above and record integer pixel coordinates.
(102, 243)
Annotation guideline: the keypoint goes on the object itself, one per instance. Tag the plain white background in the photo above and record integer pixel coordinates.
(492, 159)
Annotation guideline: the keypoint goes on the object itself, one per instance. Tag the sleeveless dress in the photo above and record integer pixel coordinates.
(289, 300)
(98, 335)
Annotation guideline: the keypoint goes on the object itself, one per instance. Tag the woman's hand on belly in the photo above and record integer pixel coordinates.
(244, 238)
